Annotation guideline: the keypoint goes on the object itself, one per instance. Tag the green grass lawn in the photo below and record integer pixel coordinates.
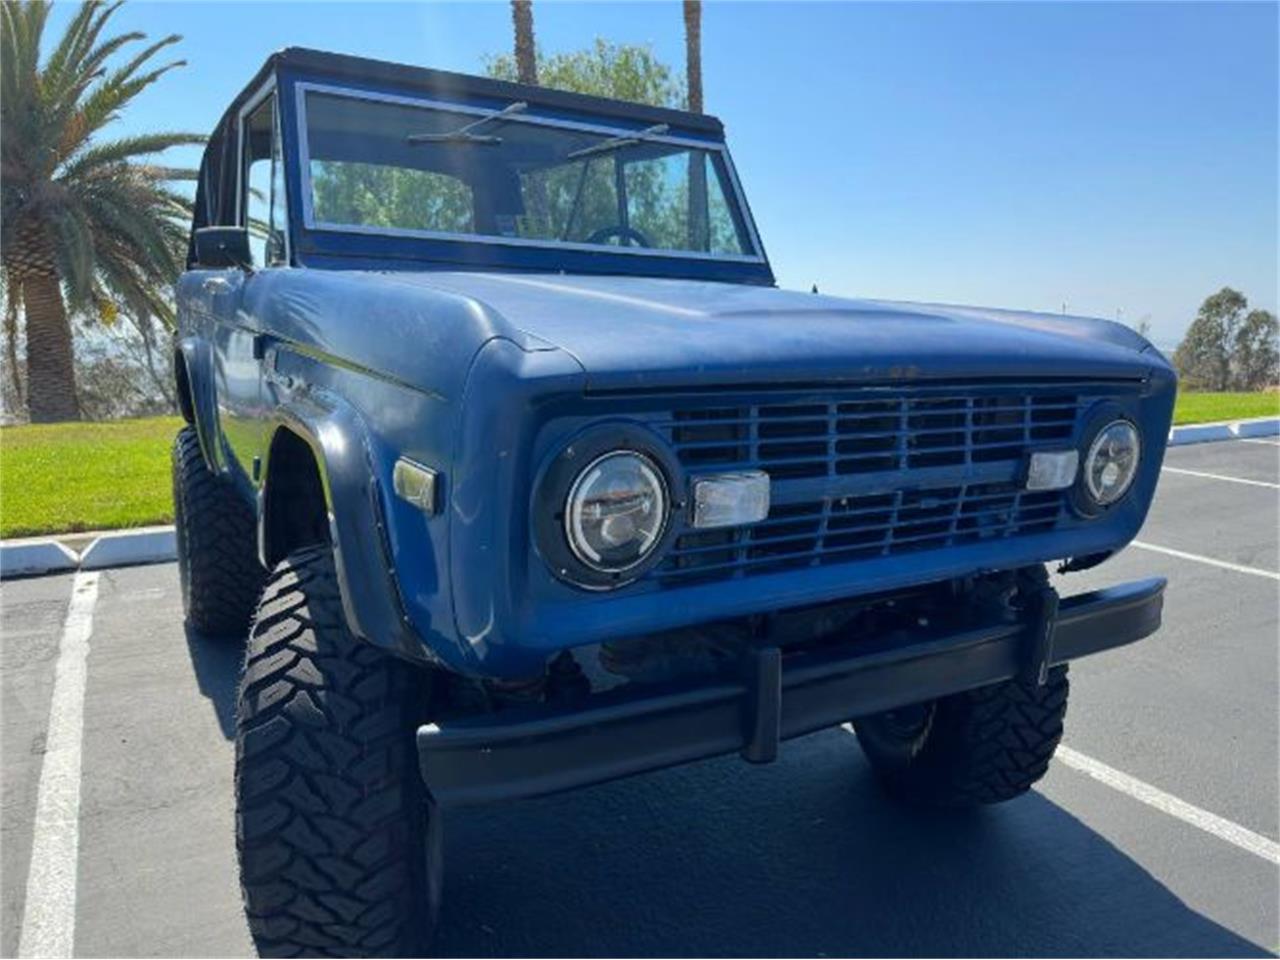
(1209, 407)
(67, 477)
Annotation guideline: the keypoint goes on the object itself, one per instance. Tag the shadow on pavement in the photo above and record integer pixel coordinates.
(800, 858)
(216, 662)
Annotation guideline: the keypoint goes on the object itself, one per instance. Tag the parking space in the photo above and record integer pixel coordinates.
(1257, 460)
(803, 857)
(1202, 508)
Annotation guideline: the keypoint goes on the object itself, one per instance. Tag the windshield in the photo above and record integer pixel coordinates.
(396, 167)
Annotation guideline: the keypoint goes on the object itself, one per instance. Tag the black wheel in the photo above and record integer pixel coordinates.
(216, 538)
(339, 849)
(983, 746)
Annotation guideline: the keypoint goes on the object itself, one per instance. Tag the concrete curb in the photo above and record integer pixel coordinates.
(1225, 430)
(125, 548)
(117, 548)
(130, 548)
(32, 557)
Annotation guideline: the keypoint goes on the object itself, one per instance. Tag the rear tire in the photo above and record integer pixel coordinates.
(217, 544)
(982, 746)
(339, 849)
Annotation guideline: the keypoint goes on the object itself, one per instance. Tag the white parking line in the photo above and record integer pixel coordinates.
(1219, 476)
(1262, 440)
(49, 912)
(1223, 829)
(1211, 561)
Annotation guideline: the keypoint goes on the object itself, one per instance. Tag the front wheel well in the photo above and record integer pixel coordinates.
(182, 383)
(295, 511)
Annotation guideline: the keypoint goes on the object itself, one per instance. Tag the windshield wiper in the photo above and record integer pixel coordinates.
(466, 134)
(617, 143)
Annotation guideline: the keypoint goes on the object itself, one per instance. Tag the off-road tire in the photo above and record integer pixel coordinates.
(339, 850)
(982, 746)
(216, 538)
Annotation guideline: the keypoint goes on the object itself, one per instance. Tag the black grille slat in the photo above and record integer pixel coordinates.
(840, 437)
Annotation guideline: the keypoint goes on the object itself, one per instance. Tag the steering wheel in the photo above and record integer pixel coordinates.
(622, 233)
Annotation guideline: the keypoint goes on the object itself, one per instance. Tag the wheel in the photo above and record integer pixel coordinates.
(339, 849)
(216, 537)
(982, 746)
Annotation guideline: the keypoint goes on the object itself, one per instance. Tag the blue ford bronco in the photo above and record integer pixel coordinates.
(521, 474)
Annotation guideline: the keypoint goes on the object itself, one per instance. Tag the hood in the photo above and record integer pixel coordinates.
(635, 333)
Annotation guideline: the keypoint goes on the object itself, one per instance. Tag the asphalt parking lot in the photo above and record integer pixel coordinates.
(1155, 834)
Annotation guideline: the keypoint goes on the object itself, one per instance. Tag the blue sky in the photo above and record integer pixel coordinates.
(1120, 159)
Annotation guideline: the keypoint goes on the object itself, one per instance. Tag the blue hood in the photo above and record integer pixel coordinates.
(635, 332)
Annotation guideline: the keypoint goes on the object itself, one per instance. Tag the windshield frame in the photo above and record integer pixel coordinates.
(715, 147)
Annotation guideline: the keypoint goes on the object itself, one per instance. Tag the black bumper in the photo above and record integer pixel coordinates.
(546, 749)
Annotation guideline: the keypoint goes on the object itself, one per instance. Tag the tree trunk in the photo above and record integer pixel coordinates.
(51, 374)
(526, 54)
(12, 296)
(699, 228)
(693, 52)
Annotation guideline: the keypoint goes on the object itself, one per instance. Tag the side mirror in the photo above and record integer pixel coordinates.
(222, 247)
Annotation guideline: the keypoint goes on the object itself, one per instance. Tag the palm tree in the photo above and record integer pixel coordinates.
(693, 52)
(526, 53)
(85, 225)
(698, 227)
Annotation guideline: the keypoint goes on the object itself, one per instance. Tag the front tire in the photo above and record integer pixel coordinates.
(339, 850)
(216, 539)
(982, 746)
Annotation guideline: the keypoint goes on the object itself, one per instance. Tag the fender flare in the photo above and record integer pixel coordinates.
(196, 357)
(356, 519)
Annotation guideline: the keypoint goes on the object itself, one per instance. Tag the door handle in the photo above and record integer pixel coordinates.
(215, 285)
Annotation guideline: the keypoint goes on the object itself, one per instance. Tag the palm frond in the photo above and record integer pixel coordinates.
(25, 23)
(120, 86)
(80, 35)
(66, 86)
(126, 148)
(75, 253)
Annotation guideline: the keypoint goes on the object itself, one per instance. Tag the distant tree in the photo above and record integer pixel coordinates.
(526, 55)
(1203, 359)
(1228, 347)
(623, 71)
(1256, 360)
(121, 374)
(85, 225)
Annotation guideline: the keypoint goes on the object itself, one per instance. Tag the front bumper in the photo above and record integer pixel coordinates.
(549, 748)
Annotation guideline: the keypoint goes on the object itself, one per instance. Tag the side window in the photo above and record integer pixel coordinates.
(262, 185)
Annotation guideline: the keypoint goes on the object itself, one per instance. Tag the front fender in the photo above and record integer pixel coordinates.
(197, 356)
(355, 503)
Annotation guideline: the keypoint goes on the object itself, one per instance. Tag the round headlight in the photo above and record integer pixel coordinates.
(1112, 462)
(616, 511)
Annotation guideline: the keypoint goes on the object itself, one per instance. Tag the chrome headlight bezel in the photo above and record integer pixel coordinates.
(551, 505)
(1087, 499)
(650, 475)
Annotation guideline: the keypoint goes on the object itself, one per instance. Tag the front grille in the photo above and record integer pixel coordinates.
(858, 527)
(870, 435)
(872, 473)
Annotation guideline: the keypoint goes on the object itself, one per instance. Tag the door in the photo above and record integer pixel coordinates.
(239, 304)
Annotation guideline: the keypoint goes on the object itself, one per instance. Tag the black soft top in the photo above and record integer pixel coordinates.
(411, 79)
